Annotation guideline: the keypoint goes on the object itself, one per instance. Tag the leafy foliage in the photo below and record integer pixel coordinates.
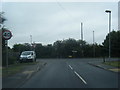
(115, 44)
(2, 18)
(74, 48)
(21, 47)
(62, 49)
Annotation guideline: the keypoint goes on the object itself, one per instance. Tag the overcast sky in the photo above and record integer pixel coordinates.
(51, 21)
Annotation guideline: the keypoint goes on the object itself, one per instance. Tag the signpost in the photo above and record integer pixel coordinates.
(74, 53)
(6, 34)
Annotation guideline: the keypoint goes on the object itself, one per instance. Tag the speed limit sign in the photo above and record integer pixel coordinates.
(6, 34)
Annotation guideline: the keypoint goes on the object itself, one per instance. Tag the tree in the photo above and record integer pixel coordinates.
(21, 47)
(58, 48)
(38, 50)
(2, 18)
(115, 44)
(72, 47)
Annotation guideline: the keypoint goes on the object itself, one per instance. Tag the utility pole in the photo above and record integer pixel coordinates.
(0, 45)
(31, 41)
(109, 12)
(81, 31)
(6, 44)
(82, 39)
(93, 45)
(6, 34)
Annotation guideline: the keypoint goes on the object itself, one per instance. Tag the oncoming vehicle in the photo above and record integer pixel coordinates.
(27, 56)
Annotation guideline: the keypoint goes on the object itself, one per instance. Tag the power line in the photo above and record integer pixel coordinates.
(60, 5)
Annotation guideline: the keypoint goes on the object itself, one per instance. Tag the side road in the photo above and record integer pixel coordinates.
(105, 67)
(16, 80)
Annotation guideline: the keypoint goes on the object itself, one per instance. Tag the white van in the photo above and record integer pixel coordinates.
(28, 56)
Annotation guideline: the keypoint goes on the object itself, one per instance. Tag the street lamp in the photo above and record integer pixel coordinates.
(108, 11)
(93, 45)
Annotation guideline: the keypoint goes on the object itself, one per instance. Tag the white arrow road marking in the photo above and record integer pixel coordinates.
(80, 77)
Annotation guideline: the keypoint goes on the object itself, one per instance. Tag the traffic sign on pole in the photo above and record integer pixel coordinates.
(6, 34)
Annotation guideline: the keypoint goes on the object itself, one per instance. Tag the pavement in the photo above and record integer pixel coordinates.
(100, 64)
(15, 81)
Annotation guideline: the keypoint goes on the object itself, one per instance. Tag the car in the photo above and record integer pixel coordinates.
(27, 56)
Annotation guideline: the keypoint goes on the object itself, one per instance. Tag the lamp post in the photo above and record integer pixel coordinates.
(93, 45)
(108, 11)
(31, 42)
(82, 51)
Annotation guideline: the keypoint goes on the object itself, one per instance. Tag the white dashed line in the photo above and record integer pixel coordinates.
(80, 77)
(70, 67)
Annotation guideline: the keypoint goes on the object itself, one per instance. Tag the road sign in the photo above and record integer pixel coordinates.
(6, 34)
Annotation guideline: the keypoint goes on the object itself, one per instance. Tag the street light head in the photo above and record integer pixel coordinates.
(108, 11)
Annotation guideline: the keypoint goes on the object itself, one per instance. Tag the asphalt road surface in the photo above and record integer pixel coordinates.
(72, 73)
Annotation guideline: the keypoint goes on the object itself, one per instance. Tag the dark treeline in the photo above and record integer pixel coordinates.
(62, 49)
(71, 48)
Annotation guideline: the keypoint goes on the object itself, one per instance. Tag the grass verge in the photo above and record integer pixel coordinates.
(15, 68)
(113, 63)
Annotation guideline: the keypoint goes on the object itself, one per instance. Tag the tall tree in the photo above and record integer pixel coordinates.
(2, 18)
(115, 44)
(21, 47)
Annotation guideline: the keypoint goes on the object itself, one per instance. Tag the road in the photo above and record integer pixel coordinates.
(72, 73)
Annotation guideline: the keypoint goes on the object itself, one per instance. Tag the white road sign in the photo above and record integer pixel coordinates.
(6, 34)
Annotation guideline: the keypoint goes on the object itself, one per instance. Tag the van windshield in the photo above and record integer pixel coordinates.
(26, 53)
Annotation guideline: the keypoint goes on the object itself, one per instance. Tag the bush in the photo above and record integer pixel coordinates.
(12, 60)
(12, 57)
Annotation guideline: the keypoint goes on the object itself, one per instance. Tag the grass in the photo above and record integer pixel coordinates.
(113, 63)
(15, 68)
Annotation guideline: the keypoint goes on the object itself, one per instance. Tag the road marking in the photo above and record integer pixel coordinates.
(70, 67)
(80, 77)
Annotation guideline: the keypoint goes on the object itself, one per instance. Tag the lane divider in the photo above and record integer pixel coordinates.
(80, 77)
(70, 67)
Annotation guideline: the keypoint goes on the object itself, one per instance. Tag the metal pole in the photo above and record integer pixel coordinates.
(108, 11)
(109, 35)
(82, 38)
(93, 45)
(6, 42)
(0, 48)
(82, 31)
(31, 41)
